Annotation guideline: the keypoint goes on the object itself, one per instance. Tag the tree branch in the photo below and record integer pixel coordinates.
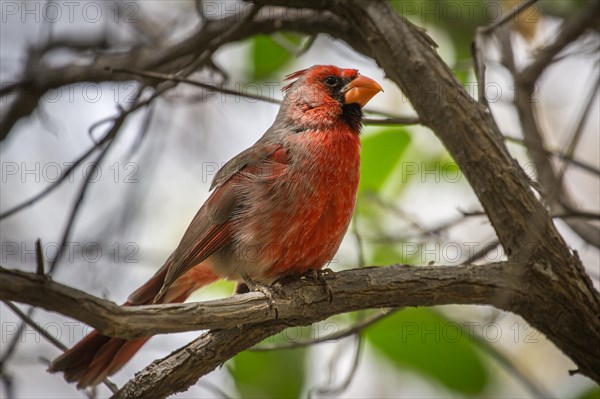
(166, 57)
(570, 30)
(241, 321)
(50, 338)
(300, 302)
(524, 102)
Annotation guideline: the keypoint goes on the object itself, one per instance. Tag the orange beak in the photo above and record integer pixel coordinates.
(361, 90)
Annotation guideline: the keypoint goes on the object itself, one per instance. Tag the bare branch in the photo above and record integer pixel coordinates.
(510, 15)
(570, 30)
(399, 120)
(49, 337)
(332, 390)
(391, 120)
(182, 368)
(79, 200)
(55, 184)
(534, 140)
(165, 57)
(347, 332)
(512, 367)
(578, 131)
(477, 45)
(179, 370)
(298, 303)
(560, 155)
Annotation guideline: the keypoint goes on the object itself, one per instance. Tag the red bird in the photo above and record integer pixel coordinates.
(279, 208)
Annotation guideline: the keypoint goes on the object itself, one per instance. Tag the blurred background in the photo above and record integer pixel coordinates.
(414, 205)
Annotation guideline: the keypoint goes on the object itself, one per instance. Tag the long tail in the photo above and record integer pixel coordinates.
(97, 356)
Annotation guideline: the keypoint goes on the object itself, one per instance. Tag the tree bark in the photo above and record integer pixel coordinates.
(299, 302)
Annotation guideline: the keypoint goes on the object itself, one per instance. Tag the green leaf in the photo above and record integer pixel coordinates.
(274, 374)
(428, 343)
(592, 393)
(463, 76)
(381, 152)
(385, 255)
(268, 56)
(388, 254)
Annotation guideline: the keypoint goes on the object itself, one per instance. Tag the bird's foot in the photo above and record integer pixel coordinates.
(265, 289)
(321, 276)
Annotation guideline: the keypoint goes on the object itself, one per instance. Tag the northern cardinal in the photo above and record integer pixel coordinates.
(280, 208)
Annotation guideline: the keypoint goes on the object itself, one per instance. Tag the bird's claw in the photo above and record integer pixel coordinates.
(321, 276)
(266, 290)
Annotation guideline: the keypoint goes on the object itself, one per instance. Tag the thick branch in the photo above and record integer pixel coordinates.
(241, 321)
(182, 368)
(492, 284)
(301, 302)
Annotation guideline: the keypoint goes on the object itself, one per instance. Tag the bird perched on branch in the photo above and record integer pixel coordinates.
(279, 208)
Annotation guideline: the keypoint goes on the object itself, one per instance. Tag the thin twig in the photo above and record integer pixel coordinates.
(576, 135)
(421, 231)
(482, 252)
(30, 322)
(575, 214)
(143, 130)
(39, 258)
(390, 120)
(67, 172)
(525, 80)
(207, 86)
(307, 45)
(79, 200)
(358, 238)
(518, 9)
(349, 331)
(479, 65)
(510, 366)
(477, 45)
(214, 389)
(558, 215)
(12, 345)
(560, 155)
(329, 391)
(403, 120)
(570, 30)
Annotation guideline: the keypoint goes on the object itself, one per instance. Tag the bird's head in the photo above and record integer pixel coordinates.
(323, 95)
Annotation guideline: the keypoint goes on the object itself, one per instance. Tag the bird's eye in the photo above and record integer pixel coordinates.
(331, 81)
